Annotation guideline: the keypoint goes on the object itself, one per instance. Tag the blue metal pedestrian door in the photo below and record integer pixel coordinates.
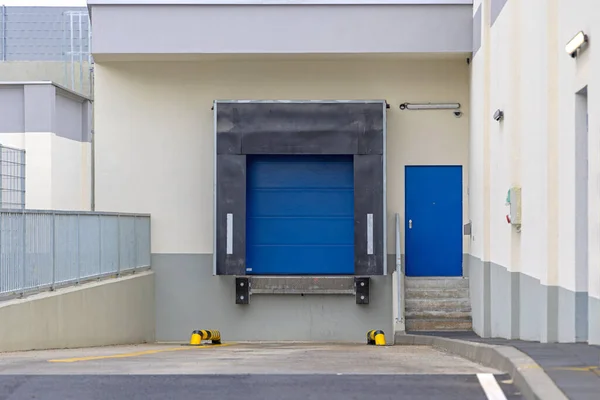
(433, 221)
(300, 215)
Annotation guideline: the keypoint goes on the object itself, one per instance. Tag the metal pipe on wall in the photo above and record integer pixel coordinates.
(93, 172)
(80, 53)
(71, 52)
(64, 49)
(91, 95)
(4, 33)
(399, 276)
(93, 143)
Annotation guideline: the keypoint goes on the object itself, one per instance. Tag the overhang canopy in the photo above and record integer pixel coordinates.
(126, 28)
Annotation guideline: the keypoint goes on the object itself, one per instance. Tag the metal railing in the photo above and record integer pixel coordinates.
(41, 250)
(12, 178)
(399, 278)
(51, 35)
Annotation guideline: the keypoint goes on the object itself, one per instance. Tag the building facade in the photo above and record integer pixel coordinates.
(539, 281)
(53, 125)
(45, 103)
(277, 156)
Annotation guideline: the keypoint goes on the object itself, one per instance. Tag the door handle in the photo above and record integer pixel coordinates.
(410, 224)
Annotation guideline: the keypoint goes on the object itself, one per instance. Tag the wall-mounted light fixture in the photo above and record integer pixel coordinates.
(575, 44)
(429, 106)
(499, 115)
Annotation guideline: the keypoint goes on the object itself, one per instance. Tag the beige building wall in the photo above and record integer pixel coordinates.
(522, 69)
(154, 148)
(154, 127)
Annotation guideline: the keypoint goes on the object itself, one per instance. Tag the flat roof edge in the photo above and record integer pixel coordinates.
(281, 101)
(276, 2)
(57, 85)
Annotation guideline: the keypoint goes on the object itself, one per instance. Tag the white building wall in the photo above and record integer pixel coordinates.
(57, 170)
(71, 174)
(479, 181)
(578, 74)
(38, 167)
(523, 70)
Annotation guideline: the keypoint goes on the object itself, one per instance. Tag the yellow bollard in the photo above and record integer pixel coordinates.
(214, 336)
(195, 339)
(376, 337)
(199, 335)
(379, 338)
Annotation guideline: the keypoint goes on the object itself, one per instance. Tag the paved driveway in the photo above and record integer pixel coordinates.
(247, 371)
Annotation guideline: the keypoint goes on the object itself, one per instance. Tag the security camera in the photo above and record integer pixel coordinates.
(499, 115)
(572, 48)
(457, 114)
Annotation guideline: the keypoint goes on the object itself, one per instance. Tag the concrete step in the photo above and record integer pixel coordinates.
(421, 314)
(438, 325)
(429, 293)
(438, 305)
(436, 283)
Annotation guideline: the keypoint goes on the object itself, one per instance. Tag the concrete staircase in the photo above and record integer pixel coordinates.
(437, 304)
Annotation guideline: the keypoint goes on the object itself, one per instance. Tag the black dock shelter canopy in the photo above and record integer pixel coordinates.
(354, 128)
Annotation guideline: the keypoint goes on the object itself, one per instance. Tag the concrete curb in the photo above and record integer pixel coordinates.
(527, 375)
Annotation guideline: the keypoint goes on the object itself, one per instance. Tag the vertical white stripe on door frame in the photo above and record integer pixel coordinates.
(229, 233)
(490, 386)
(369, 234)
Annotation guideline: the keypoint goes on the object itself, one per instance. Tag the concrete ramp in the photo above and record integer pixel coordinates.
(109, 312)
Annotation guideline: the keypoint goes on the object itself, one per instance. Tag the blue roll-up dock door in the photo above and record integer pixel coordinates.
(300, 215)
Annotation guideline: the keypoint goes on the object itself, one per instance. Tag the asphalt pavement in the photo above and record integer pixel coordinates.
(249, 371)
(574, 367)
(247, 387)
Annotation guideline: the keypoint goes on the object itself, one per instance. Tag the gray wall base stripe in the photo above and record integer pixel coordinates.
(527, 375)
(581, 316)
(515, 299)
(183, 282)
(487, 300)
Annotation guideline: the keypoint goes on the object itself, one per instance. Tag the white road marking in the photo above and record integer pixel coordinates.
(491, 387)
